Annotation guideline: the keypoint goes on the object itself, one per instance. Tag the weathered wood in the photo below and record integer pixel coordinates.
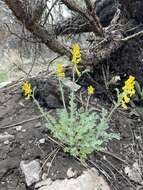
(105, 10)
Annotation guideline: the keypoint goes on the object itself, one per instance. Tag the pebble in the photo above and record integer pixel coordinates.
(6, 142)
(48, 164)
(31, 171)
(38, 124)
(71, 173)
(42, 141)
(44, 176)
(18, 128)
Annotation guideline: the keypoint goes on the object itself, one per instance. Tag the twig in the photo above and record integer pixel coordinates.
(20, 69)
(52, 160)
(19, 37)
(119, 172)
(92, 18)
(100, 169)
(131, 36)
(49, 12)
(22, 122)
(114, 156)
(49, 156)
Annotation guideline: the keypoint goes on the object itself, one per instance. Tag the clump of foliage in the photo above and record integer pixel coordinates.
(80, 130)
(84, 134)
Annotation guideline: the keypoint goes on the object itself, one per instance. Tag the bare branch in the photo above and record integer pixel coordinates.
(46, 36)
(140, 33)
(72, 5)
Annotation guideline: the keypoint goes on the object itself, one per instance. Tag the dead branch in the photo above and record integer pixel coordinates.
(140, 33)
(45, 35)
(84, 21)
(72, 5)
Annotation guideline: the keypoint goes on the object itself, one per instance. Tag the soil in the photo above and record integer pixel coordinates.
(15, 111)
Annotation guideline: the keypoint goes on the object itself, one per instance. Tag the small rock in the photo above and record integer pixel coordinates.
(31, 171)
(23, 130)
(70, 84)
(5, 137)
(48, 164)
(21, 104)
(71, 173)
(42, 141)
(6, 142)
(18, 128)
(134, 173)
(38, 124)
(44, 176)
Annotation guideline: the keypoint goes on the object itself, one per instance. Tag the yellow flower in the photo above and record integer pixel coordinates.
(27, 89)
(60, 71)
(90, 90)
(76, 55)
(128, 91)
(129, 86)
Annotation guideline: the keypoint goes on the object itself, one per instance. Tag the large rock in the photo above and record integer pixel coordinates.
(89, 180)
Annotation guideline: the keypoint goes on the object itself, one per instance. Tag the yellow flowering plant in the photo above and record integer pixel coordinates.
(74, 124)
(27, 89)
(128, 91)
(125, 96)
(76, 57)
(80, 130)
(90, 91)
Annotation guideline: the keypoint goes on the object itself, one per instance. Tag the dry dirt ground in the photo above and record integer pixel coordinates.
(121, 164)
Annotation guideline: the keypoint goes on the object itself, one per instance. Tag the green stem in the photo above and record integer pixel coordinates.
(87, 104)
(112, 111)
(72, 94)
(47, 118)
(62, 94)
(40, 109)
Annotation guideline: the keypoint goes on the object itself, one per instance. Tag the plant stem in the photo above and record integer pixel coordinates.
(87, 104)
(40, 109)
(72, 94)
(47, 118)
(112, 111)
(62, 94)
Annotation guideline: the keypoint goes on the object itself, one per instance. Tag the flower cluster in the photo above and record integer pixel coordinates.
(76, 55)
(60, 71)
(27, 89)
(90, 90)
(128, 91)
